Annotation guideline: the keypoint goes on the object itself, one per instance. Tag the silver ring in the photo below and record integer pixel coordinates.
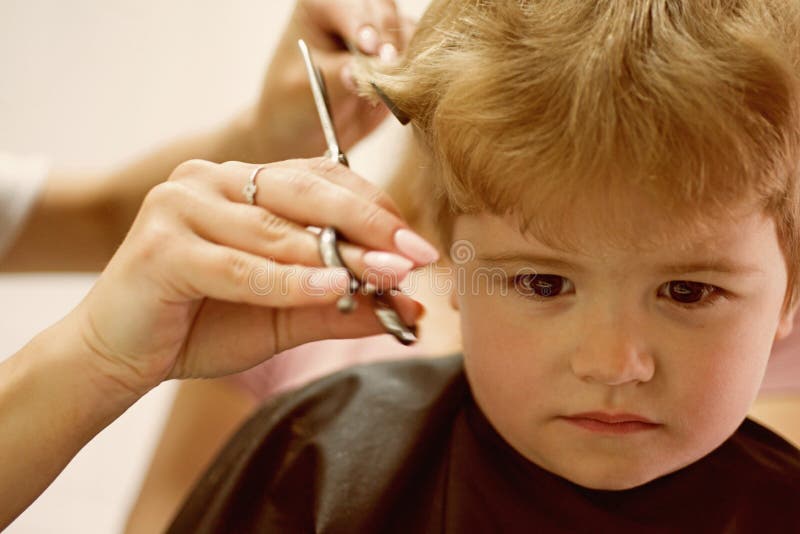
(251, 188)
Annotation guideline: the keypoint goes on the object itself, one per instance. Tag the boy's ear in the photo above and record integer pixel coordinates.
(786, 323)
(452, 271)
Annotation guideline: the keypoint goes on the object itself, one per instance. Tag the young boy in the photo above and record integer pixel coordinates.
(619, 183)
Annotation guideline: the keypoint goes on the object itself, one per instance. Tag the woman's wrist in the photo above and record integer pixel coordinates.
(108, 386)
(53, 400)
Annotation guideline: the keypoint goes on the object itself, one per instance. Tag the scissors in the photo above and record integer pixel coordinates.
(328, 238)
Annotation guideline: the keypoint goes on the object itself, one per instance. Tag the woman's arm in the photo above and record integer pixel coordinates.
(55, 395)
(80, 218)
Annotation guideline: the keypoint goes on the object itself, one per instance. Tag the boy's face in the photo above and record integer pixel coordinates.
(618, 332)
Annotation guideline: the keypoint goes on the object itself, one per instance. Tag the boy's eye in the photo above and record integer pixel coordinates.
(540, 285)
(684, 293)
(691, 294)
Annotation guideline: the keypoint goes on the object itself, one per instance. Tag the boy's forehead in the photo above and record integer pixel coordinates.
(647, 236)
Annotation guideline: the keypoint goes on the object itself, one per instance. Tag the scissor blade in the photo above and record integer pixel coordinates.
(321, 102)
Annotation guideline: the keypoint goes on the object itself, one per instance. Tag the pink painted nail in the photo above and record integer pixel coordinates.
(347, 78)
(388, 53)
(415, 247)
(388, 264)
(368, 39)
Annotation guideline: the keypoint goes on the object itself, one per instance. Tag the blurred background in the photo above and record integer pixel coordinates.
(91, 84)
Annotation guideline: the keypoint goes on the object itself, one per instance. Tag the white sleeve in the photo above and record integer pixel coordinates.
(21, 180)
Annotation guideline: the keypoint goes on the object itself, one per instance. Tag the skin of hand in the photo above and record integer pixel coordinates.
(81, 217)
(179, 299)
(374, 27)
(195, 283)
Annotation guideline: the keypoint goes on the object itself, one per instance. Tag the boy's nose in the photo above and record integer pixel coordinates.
(611, 353)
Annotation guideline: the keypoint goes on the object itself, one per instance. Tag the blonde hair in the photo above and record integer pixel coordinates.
(550, 110)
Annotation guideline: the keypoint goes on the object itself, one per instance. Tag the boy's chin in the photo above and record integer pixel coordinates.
(608, 478)
(617, 483)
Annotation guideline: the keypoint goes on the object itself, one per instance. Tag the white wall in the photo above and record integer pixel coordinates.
(92, 82)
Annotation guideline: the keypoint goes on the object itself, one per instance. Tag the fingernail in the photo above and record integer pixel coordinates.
(347, 78)
(387, 53)
(368, 39)
(415, 247)
(388, 264)
(336, 280)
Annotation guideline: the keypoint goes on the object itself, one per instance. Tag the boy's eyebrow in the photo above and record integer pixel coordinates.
(723, 266)
(720, 266)
(519, 257)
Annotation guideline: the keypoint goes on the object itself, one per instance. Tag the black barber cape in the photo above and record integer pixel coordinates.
(402, 447)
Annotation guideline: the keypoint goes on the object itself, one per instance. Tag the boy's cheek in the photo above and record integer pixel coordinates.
(705, 385)
(503, 359)
(490, 330)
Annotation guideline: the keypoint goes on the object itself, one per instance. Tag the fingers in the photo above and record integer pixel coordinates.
(354, 116)
(374, 27)
(163, 248)
(370, 25)
(380, 30)
(304, 191)
(233, 180)
(256, 231)
(190, 243)
(348, 179)
(326, 204)
(233, 275)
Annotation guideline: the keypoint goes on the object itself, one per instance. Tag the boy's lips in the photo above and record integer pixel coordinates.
(608, 423)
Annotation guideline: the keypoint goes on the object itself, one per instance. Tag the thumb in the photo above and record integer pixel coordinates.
(354, 116)
(337, 69)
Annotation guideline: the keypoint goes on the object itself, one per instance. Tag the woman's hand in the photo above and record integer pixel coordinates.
(205, 284)
(80, 219)
(284, 124)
